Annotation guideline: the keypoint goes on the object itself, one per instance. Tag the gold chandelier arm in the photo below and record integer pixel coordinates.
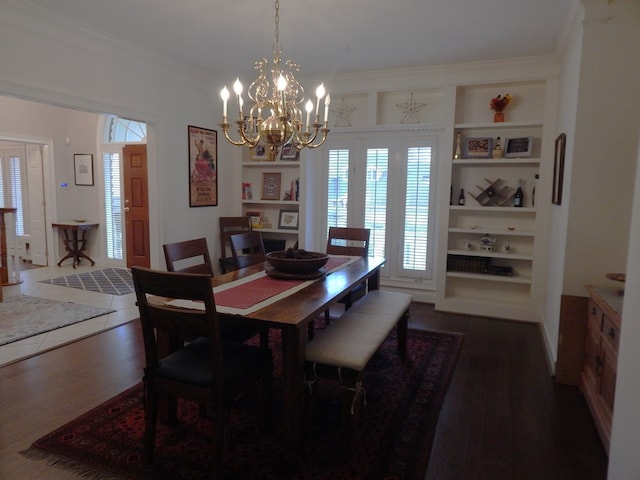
(244, 139)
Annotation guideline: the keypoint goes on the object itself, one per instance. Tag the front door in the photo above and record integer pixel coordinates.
(136, 205)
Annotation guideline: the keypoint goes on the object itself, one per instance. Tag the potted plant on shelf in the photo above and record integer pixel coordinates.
(498, 104)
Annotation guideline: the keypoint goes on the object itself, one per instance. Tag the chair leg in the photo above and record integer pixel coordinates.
(150, 425)
(264, 338)
(267, 396)
(217, 446)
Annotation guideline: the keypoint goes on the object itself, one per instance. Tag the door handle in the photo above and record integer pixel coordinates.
(126, 209)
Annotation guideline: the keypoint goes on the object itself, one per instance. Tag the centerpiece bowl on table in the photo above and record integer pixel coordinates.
(297, 261)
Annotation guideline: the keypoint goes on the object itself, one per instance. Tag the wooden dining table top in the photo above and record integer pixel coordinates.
(299, 308)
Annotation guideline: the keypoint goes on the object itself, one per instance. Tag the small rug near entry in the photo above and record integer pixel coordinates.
(114, 281)
(25, 316)
(395, 433)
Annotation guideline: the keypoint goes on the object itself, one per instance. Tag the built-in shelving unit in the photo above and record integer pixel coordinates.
(476, 278)
(272, 210)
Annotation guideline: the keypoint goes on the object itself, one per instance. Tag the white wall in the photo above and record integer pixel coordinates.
(57, 64)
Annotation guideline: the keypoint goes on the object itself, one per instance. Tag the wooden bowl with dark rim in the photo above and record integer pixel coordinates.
(305, 262)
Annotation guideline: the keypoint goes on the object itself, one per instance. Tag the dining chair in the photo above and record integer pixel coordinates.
(189, 256)
(186, 254)
(247, 249)
(349, 241)
(230, 226)
(207, 370)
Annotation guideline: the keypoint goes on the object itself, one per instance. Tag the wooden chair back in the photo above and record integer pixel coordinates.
(230, 226)
(348, 241)
(189, 256)
(179, 323)
(247, 249)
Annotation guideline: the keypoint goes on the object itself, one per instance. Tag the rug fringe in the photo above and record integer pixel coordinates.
(67, 464)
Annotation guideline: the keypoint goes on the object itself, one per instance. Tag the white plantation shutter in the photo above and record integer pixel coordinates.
(375, 210)
(15, 177)
(338, 189)
(416, 218)
(113, 205)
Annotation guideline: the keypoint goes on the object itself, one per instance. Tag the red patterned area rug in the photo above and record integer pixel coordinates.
(394, 438)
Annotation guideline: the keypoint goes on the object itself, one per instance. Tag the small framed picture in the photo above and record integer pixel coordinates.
(518, 147)
(289, 152)
(259, 152)
(558, 169)
(83, 168)
(478, 147)
(271, 186)
(288, 220)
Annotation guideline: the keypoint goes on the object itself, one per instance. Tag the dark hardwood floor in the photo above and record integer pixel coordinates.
(504, 417)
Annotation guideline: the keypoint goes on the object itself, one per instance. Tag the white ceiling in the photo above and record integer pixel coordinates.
(326, 36)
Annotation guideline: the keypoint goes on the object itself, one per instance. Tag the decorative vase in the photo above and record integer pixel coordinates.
(498, 117)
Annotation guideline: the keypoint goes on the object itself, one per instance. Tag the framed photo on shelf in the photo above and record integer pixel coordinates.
(289, 152)
(259, 152)
(83, 168)
(288, 220)
(203, 167)
(558, 169)
(478, 147)
(271, 186)
(518, 147)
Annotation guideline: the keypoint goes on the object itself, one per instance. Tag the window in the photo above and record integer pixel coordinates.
(12, 168)
(113, 205)
(388, 176)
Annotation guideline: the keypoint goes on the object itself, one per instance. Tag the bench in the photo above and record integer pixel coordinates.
(343, 349)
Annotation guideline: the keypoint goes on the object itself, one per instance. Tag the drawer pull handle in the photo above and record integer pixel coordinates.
(593, 310)
(612, 332)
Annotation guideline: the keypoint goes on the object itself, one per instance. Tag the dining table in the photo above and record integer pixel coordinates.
(290, 310)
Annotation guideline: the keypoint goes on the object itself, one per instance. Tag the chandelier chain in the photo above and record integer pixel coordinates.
(277, 32)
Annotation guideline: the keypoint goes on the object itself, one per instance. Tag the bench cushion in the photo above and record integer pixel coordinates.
(351, 340)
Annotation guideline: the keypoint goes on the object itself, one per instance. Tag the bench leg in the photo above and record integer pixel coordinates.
(353, 399)
(403, 326)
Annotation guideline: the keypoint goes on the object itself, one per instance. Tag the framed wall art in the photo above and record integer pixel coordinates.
(289, 152)
(478, 147)
(83, 168)
(203, 167)
(259, 152)
(558, 169)
(288, 220)
(271, 186)
(518, 147)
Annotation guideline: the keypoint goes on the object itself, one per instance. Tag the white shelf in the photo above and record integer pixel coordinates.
(276, 230)
(479, 253)
(497, 162)
(271, 202)
(493, 231)
(485, 277)
(274, 164)
(498, 210)
(497, 125)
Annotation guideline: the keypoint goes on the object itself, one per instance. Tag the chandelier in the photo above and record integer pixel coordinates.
(277, 94)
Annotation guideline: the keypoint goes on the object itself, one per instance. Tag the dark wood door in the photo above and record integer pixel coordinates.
(136, 205)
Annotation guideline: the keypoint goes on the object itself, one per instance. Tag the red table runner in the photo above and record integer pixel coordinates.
(250, 293)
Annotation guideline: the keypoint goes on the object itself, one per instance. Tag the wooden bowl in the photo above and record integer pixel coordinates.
(285, 261)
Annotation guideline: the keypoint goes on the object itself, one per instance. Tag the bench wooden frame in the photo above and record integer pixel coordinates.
(345, 347)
